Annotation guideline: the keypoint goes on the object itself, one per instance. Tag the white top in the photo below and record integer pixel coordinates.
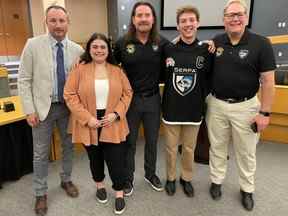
(101, 92)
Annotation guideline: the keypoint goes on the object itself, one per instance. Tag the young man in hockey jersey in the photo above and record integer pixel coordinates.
(187, 65)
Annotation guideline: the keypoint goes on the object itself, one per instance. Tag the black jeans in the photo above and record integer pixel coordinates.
(112, 154)
(147, 110)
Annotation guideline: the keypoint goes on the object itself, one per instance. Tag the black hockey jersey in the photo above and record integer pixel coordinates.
(187, 70)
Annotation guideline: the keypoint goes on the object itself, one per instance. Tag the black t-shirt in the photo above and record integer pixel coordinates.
(143, 63)
(187, 68)
(237, 68)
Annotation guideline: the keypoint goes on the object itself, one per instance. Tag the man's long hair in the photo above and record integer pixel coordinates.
(153, 35)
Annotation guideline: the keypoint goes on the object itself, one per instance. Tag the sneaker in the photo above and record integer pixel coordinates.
(119, 205)
(101, 195)
(155, 182)
(128, 188)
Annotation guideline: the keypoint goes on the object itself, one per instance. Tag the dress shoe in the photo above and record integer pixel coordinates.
(170, 187)
(70, 188)
(41, 205)
(187, 187)
(247, 200)
(215, 191)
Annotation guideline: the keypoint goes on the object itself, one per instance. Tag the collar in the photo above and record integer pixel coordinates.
(134, 40)
(53, 41)
(243, 40)
(183, 44)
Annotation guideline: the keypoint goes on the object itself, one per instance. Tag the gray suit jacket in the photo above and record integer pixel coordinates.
(35, 81)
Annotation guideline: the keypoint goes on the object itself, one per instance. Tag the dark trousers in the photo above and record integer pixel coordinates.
(147, 110)
(112, 154)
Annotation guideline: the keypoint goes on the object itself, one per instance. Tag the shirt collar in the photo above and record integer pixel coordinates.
(182, 43)
(135, 40)
(53, 41)
(243, 40)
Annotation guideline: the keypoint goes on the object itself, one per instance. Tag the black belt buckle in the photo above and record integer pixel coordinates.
(230, 100)
(234, 100)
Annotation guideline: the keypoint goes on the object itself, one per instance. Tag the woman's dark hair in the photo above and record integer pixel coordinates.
(154, 35)
(86, 57)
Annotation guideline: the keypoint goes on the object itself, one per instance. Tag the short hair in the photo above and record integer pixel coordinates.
(187, 9)
(241, 2)
(86, 57)
(57, 7)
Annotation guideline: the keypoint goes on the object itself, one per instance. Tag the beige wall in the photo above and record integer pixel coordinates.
(87, 16)
(47, 3)
(37, 17)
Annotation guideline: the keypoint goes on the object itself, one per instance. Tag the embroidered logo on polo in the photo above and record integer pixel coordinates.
(184, 80)
(243, 53)
(170, 62)
(200, 62)
(130, 48)
(219, 51)
(155, 47)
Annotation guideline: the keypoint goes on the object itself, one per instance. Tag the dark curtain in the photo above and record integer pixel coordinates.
(16, 150)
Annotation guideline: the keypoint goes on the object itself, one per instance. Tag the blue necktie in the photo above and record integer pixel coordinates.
(60, 71)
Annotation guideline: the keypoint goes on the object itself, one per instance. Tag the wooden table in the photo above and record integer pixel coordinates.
(13, 116)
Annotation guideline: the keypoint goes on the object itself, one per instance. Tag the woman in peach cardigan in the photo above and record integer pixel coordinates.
(98, 94)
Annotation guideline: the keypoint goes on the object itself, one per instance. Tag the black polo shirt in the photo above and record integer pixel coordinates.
(237, 68)
(143, 63)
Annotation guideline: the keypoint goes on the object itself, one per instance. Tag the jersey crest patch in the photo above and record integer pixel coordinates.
(130, 48)
(243, 53)
(184, 84)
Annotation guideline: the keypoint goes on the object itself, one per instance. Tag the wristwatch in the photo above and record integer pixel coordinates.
(264, 113)
(117, 115)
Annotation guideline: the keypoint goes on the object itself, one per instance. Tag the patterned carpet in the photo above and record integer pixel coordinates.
(271, 197)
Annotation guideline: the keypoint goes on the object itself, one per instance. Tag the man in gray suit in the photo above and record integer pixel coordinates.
(45, 63)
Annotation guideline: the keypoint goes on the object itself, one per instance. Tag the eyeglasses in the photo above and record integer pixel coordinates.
(230, 16)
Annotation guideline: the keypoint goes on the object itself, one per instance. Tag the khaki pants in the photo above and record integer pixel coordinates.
(231, 122)
(188, 136)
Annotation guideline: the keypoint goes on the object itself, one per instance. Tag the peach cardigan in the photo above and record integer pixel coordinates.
(79, 94)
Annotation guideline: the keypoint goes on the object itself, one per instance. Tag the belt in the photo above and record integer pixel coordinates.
(57, 102)
(232, 100)
(147, 93)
